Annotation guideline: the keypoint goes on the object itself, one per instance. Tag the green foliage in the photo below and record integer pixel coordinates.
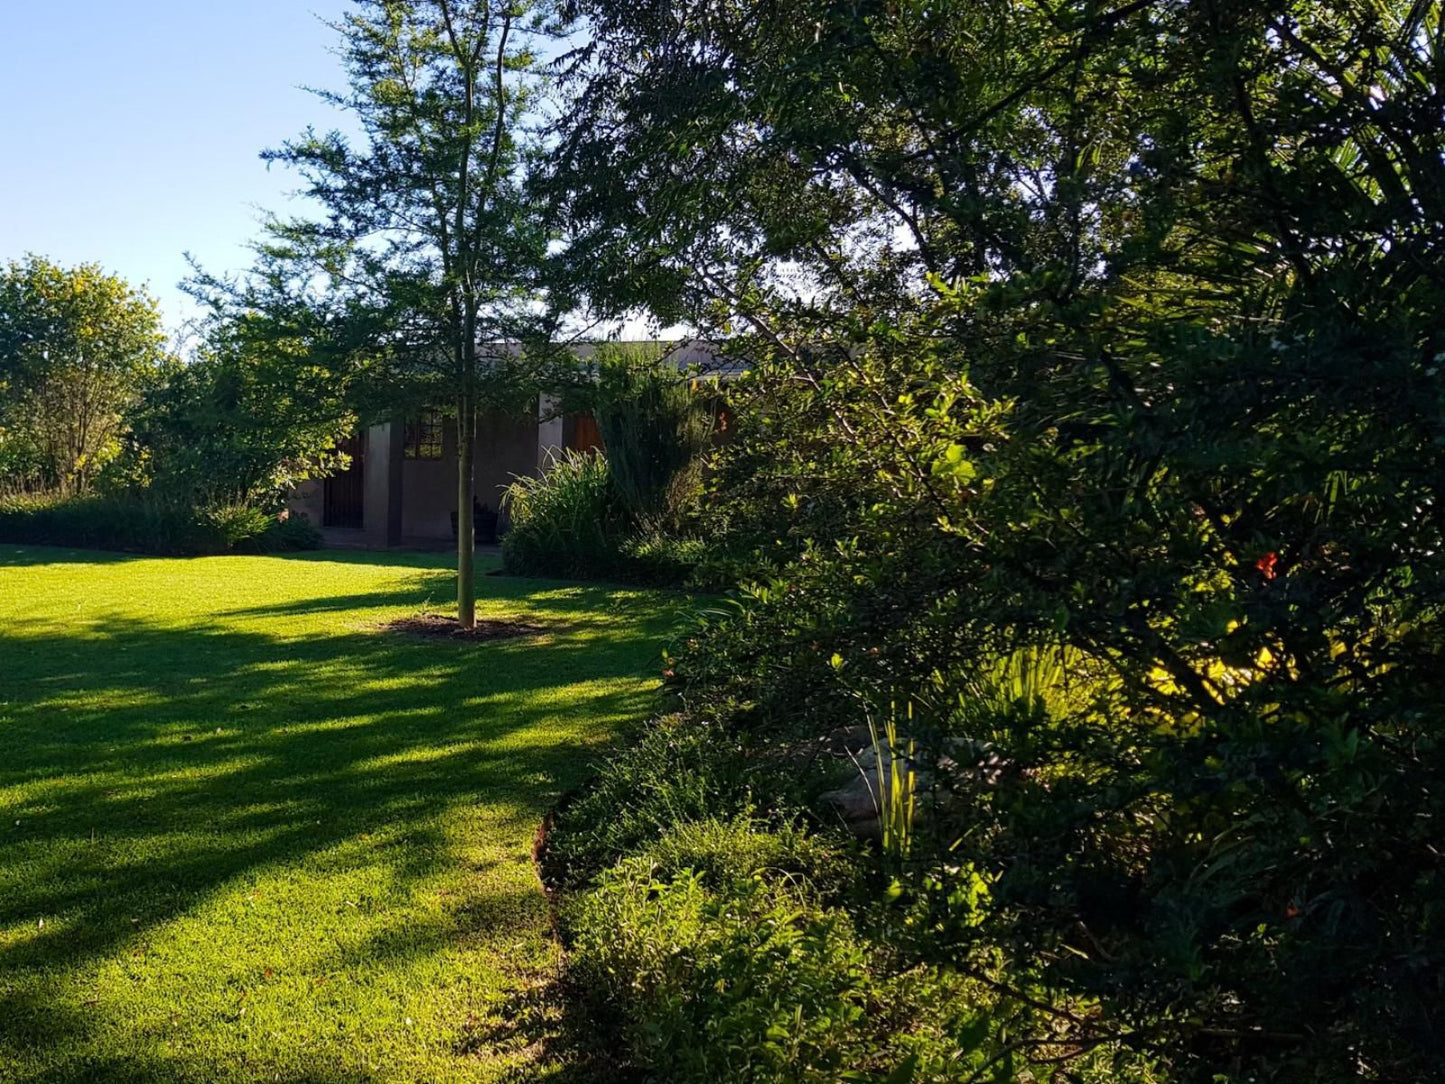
(288, 533)
(88, 397)
(22, 464)
(723, 947)
(675, 773)
(235, 524)
(256, 412)
(624, 513)
(729, 967)
(104, 523)
(570, 521)
(674, 557)
(728, 853)
(565, 522)
(655, 426)
(78, 347)
(897, 791)
(1151, 386)
(148, 524)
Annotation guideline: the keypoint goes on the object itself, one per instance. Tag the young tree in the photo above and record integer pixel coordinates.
(77, 348)
(429, 227)
(258, 409)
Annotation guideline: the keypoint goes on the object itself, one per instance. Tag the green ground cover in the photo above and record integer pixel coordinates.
(246, 835)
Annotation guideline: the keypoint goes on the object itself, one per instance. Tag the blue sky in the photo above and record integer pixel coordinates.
(130, 133)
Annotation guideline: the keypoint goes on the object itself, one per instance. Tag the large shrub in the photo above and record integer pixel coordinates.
(655, 425)
(1153, 382)
(626, 511)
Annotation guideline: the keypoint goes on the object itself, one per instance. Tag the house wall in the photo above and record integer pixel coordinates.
(410, 501)
(429, 492)
(379, 523)
(309, 500)
(381, 444)
(506, 447)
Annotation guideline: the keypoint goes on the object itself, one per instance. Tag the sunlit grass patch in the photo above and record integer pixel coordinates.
(246, 835)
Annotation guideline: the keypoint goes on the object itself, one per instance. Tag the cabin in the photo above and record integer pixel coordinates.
(401, 487)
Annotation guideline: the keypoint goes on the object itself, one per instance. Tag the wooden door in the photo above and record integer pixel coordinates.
(586, 436)
(346, 490)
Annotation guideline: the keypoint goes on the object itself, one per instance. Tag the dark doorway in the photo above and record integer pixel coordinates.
(346, 490)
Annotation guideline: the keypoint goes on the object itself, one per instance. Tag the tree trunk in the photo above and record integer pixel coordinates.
(466, 540)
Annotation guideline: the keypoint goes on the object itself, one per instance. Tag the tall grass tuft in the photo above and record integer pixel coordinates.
(565, 522)
(896, 793)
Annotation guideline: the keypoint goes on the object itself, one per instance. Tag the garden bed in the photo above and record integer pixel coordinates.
(441, 626)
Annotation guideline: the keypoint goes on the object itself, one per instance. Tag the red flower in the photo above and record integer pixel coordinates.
(1266, 565)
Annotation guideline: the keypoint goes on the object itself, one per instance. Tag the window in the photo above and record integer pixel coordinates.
(423, 437)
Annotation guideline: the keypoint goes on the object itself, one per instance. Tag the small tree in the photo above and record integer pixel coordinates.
(257, 411)
(77, 348)
(430, 230)
(656, 427)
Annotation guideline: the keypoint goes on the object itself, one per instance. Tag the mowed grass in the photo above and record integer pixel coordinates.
(247, 836)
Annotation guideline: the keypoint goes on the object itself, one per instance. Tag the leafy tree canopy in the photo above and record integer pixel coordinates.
(77, 349)
(1106, 332)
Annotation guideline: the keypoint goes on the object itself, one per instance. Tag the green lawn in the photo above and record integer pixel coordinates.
(245, 835)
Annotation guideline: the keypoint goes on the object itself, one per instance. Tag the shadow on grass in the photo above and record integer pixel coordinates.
(161, 765)
(35, 556)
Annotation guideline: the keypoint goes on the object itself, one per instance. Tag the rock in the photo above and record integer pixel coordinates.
(855, 805)
(961, 762)
(859, 799)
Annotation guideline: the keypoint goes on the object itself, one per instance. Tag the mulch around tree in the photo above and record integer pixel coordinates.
(440, 626)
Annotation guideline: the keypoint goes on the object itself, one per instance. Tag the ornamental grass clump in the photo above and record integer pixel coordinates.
(565, 522)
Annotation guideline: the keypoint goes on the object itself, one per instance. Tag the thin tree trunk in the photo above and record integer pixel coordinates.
(466, 540)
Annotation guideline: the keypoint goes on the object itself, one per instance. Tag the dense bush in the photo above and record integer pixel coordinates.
(655, 427)
(289, 532)
(628, 512)
(570, 521)
(667, 557)
(134, 524)
(1153, 388)
(723, 948)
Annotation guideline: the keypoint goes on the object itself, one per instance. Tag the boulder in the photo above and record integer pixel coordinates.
(959, 762)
